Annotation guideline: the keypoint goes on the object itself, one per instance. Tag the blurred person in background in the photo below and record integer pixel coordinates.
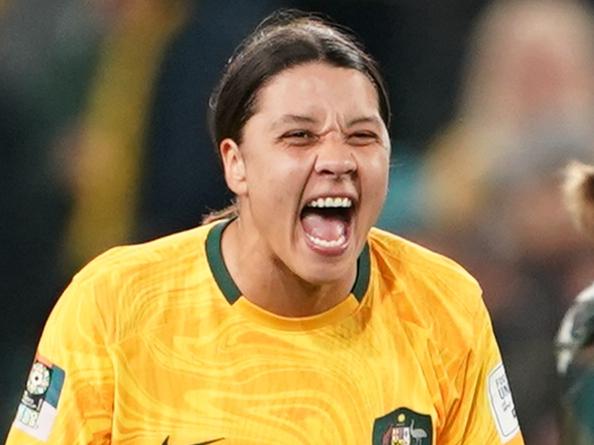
(575, 339)
(491, 183)
(528, 87)
(76, 87)
(47, 55)
(78, 83)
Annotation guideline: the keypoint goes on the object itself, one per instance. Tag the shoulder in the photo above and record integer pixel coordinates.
(400, 258)
(127, 261)
(132, 287)
(428, 288)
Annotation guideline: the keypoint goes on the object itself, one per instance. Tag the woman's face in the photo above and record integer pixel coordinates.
(311, 173)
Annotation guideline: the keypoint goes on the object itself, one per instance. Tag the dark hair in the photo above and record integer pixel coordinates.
(285, 39)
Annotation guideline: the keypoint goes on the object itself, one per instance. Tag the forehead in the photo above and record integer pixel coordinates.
(316, 89)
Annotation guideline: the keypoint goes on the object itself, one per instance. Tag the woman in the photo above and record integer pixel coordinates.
(287, 318)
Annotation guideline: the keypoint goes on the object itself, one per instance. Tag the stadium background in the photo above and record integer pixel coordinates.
(103, 141)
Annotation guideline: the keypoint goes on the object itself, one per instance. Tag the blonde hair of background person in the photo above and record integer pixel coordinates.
(528, 88)
(575, 339)
(579, 195)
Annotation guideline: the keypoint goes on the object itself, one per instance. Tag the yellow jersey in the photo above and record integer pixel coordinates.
(155, 344)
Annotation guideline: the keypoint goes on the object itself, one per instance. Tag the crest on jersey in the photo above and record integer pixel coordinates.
(403, 427)
(37, 410)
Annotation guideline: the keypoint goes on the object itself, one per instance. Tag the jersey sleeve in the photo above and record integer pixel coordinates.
(484, 410)
(68, 398)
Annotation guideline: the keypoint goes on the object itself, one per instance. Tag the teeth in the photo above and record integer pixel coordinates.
(331, 202)
(324, 243)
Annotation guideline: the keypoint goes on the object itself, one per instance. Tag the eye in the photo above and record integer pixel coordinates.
(362, 138)
(299, 137)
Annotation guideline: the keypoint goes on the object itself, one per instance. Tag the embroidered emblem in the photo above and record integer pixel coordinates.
(403, 427)
(37, 410)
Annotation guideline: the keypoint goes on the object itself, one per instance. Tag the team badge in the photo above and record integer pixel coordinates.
(37, 410)
(403, 427)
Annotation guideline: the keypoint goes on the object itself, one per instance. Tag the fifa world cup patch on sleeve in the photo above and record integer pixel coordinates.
(37, 411)
(502, 404)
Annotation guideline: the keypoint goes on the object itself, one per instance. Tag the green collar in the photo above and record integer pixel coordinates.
(230, 290)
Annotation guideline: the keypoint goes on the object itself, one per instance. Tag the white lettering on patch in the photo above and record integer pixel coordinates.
(502, 404)
(36, 423)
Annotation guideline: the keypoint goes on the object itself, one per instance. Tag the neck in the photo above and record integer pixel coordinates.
(267, 282)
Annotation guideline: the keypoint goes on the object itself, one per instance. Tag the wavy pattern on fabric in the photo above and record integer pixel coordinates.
(153, 350)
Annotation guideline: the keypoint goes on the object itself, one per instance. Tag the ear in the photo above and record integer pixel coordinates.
(234, 166)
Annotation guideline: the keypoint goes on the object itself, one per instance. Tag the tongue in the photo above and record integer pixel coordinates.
(326, 227)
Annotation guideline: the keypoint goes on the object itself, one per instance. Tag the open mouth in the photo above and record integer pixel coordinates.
(326, 222)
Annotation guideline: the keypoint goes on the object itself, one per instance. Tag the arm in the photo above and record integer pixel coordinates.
(483, 411)
(69, 394)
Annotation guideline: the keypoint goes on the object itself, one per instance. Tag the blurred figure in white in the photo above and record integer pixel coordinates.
(575, 340)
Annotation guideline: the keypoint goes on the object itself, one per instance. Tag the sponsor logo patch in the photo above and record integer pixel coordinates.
(403, 427)
(37, 411)
(502, 404)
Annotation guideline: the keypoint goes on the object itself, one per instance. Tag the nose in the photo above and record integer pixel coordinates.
(335, 157)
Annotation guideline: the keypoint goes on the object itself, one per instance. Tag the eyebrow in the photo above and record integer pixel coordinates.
(302, 119)
(293, 119)
(364, 120)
